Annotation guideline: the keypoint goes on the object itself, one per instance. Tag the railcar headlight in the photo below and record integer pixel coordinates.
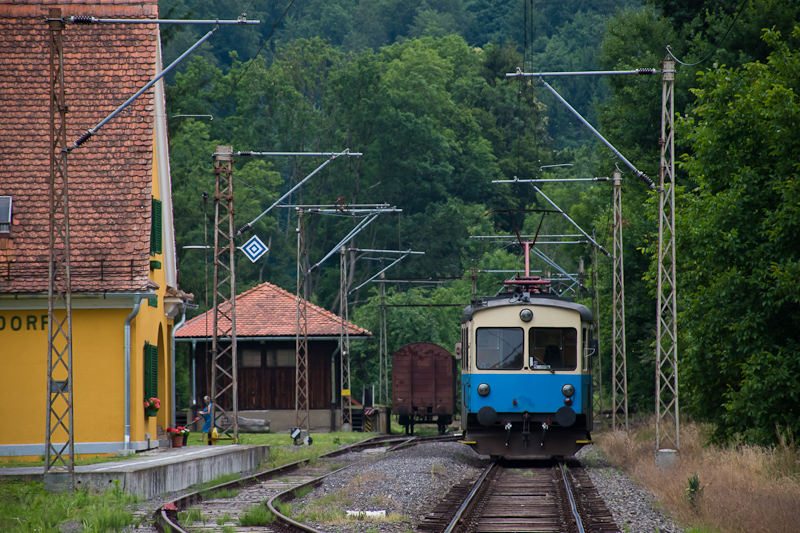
(567, 390)
(526, 315)
(483, 389)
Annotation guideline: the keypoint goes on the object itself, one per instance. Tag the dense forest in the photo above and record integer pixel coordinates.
(420, 89)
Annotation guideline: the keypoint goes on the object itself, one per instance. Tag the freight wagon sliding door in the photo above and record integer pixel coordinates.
(423, 371)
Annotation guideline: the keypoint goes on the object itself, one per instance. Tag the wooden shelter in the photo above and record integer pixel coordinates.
(266, 326)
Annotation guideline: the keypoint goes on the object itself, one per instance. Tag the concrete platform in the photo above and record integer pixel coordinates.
(158, 472)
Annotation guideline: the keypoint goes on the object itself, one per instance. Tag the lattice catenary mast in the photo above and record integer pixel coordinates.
(619, 396)
(59, 458)
(667, 428)
(224, 393)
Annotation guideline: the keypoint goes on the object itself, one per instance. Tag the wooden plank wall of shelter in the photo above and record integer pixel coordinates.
(274, 387)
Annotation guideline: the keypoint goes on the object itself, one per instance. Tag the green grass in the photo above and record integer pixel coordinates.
(284, 508)
(282, 451)
(221, 494)
(329, 509)
(299, 493)
(190, 516)
(257, 516)
(283, 439)
(27, 506)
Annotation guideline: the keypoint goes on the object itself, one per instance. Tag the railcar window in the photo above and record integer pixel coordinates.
(553, 348)
(499, 348)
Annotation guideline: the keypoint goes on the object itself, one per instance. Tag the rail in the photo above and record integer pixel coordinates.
(166, 517)
(488, 504)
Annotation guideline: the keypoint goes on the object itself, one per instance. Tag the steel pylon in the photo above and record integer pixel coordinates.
(60, 431)
(667, 422)
(224, 387)
(619, 400)
(344, 360)
(301, 339)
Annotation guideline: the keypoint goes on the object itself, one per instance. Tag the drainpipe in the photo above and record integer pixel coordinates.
(137, 301)
(175, 328)
(194, 373)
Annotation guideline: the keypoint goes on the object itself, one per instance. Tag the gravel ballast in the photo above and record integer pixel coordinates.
(634, 509)
(407, 485)
(411, 482)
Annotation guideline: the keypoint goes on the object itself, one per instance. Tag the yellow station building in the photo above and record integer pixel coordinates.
(124, 292)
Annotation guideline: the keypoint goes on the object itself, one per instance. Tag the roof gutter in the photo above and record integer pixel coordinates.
(74, 295)
(279, 338)
(177, 326)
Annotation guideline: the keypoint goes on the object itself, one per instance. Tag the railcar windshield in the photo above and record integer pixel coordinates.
(553, 348)
(499, 348)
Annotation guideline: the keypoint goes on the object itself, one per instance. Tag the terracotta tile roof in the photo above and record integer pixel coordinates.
(110, 176)
(269, 311)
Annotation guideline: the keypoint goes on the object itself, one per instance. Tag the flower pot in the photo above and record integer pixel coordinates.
(177, 441)
(185, 439)
(150, 411)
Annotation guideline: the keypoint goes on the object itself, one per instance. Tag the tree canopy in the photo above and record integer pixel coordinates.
(420, 89)
(739, 229)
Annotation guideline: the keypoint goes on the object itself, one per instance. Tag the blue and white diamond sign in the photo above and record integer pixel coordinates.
(254, 249)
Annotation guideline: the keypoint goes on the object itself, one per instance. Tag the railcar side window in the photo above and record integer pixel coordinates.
(499, 348)
(553, 348)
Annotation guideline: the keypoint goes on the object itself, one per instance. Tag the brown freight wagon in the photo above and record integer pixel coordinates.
(423, 386)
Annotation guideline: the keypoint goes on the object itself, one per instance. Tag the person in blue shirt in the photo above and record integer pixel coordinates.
(208, 418)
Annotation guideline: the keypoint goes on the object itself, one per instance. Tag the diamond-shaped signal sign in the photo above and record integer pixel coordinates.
(254, 249)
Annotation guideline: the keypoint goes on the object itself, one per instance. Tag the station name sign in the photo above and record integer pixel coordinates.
(27, 322)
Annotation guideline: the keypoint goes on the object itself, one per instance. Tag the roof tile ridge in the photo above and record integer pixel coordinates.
(255, 288)
(322, 310)
(238, 298)
(279, 290)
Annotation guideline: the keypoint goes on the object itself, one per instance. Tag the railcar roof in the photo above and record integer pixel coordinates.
(541, 300)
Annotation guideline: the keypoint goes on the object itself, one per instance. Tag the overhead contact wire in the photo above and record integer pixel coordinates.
(274, 27)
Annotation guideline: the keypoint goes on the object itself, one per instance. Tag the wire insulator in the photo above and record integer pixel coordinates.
(647, 180)
(82, 139)
(243, 229)
(82, 19)
(645, 71)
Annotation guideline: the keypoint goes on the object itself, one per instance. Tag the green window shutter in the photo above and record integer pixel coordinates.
(150, 370)
(156, 228)
(152, 302)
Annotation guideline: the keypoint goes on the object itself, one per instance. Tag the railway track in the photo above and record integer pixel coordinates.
(541, 498)
(220, 508)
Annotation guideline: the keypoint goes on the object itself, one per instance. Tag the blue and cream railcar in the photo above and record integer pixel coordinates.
(526, 373)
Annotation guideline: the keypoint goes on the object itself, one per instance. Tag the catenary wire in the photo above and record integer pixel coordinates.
(274, 27)
(669, 49)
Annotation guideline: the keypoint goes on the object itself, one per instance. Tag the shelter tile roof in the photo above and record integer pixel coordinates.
(110, 176)
(269, 311)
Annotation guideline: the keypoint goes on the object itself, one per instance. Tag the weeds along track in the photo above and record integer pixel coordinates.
(254, 503)
(542, 497)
